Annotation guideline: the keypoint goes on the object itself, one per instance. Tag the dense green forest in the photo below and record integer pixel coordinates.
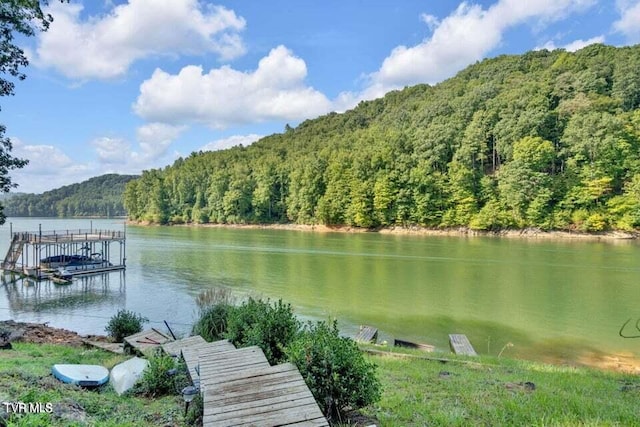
(546, 139)
(99, 196)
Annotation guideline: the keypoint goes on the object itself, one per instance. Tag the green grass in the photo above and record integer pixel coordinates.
(483, 391)
(25, 376)
(493, 393)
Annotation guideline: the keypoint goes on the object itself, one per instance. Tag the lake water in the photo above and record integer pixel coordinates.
(553, 300)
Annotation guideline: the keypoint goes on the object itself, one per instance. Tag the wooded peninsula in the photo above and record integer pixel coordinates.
(98, 196)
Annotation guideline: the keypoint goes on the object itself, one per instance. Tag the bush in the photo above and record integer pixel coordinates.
(257, 322)
(334, 369)
(156, 379)
(212, 323)
(123, 324)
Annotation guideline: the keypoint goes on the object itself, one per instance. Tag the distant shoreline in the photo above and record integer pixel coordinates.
(526, 233)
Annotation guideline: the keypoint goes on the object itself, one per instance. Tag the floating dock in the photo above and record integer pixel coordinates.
(366, 335)
(460, 345)
(28, 251)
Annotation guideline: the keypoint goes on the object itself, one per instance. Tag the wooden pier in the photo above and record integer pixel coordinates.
(30, 253)
(460, 345)
(239, 387)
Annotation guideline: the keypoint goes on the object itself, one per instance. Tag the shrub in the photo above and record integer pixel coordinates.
(156, 379)
(212, 323)
(123, 324)
(334, 369)
(257, 322)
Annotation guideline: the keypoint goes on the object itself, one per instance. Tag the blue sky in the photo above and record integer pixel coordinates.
(122, 86)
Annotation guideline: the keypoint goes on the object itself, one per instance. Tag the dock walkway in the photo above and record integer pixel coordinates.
(239, 386)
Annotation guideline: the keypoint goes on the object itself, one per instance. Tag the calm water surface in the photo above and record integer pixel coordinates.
(553, 300)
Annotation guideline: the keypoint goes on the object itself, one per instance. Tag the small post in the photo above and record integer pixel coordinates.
(124, 244)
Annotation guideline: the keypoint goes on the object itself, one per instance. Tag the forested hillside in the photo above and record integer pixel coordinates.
(544, 139)
(99, 196)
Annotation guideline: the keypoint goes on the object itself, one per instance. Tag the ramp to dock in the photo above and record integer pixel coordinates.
(239, 386)
(460, 345)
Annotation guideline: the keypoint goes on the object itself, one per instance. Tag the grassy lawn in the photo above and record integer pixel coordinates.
(502, 392)
(25, 376)
(416, 392)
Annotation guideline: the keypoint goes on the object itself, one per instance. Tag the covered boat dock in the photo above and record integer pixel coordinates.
(38, 254)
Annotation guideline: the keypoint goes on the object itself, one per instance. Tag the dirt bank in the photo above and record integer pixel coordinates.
(40, 333)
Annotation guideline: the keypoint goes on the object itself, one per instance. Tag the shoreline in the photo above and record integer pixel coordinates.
(526, 233)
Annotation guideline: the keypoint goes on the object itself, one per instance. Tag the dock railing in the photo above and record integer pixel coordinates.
(67, 236)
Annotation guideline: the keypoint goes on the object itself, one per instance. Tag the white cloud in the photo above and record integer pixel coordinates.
(573, 46)
(232, 141)
(629, 22)
(104, 47)
(467, 35)
(224, 96)
(42, 158)
(48, 168)
(431, 21)
(111, 150)
(155, 138)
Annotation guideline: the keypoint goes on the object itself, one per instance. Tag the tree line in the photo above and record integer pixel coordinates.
(98, 196)
(547, 139)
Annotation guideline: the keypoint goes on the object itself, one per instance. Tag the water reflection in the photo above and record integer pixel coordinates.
(100, 291)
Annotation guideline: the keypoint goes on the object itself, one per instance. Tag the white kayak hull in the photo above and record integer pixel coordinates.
(124, 375)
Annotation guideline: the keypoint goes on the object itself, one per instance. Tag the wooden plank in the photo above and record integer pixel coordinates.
(267, 404)
(254, 374)
(418, 346)
(273, 418)
(272, 385)
(191, 353)
(367, 334)
(460, 345)
(280, 389)
(318, 422)
(174, 348)
(113, 347)
(147, 341)
(263, 381)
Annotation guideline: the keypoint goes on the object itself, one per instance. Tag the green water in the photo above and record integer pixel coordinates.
(548, 298)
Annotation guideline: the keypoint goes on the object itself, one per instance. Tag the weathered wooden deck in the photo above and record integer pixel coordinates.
(460, 345)
(367, 334)
(266, 396)
(146, 342)
(240, 388)
(191, 356)
(174, 348)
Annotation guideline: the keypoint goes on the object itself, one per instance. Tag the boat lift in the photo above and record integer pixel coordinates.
(29, 250)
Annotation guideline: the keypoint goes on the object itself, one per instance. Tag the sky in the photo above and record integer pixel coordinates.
(130, 85)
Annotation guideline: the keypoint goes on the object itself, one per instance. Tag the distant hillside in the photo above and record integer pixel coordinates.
(99, 196)
(544, 139)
